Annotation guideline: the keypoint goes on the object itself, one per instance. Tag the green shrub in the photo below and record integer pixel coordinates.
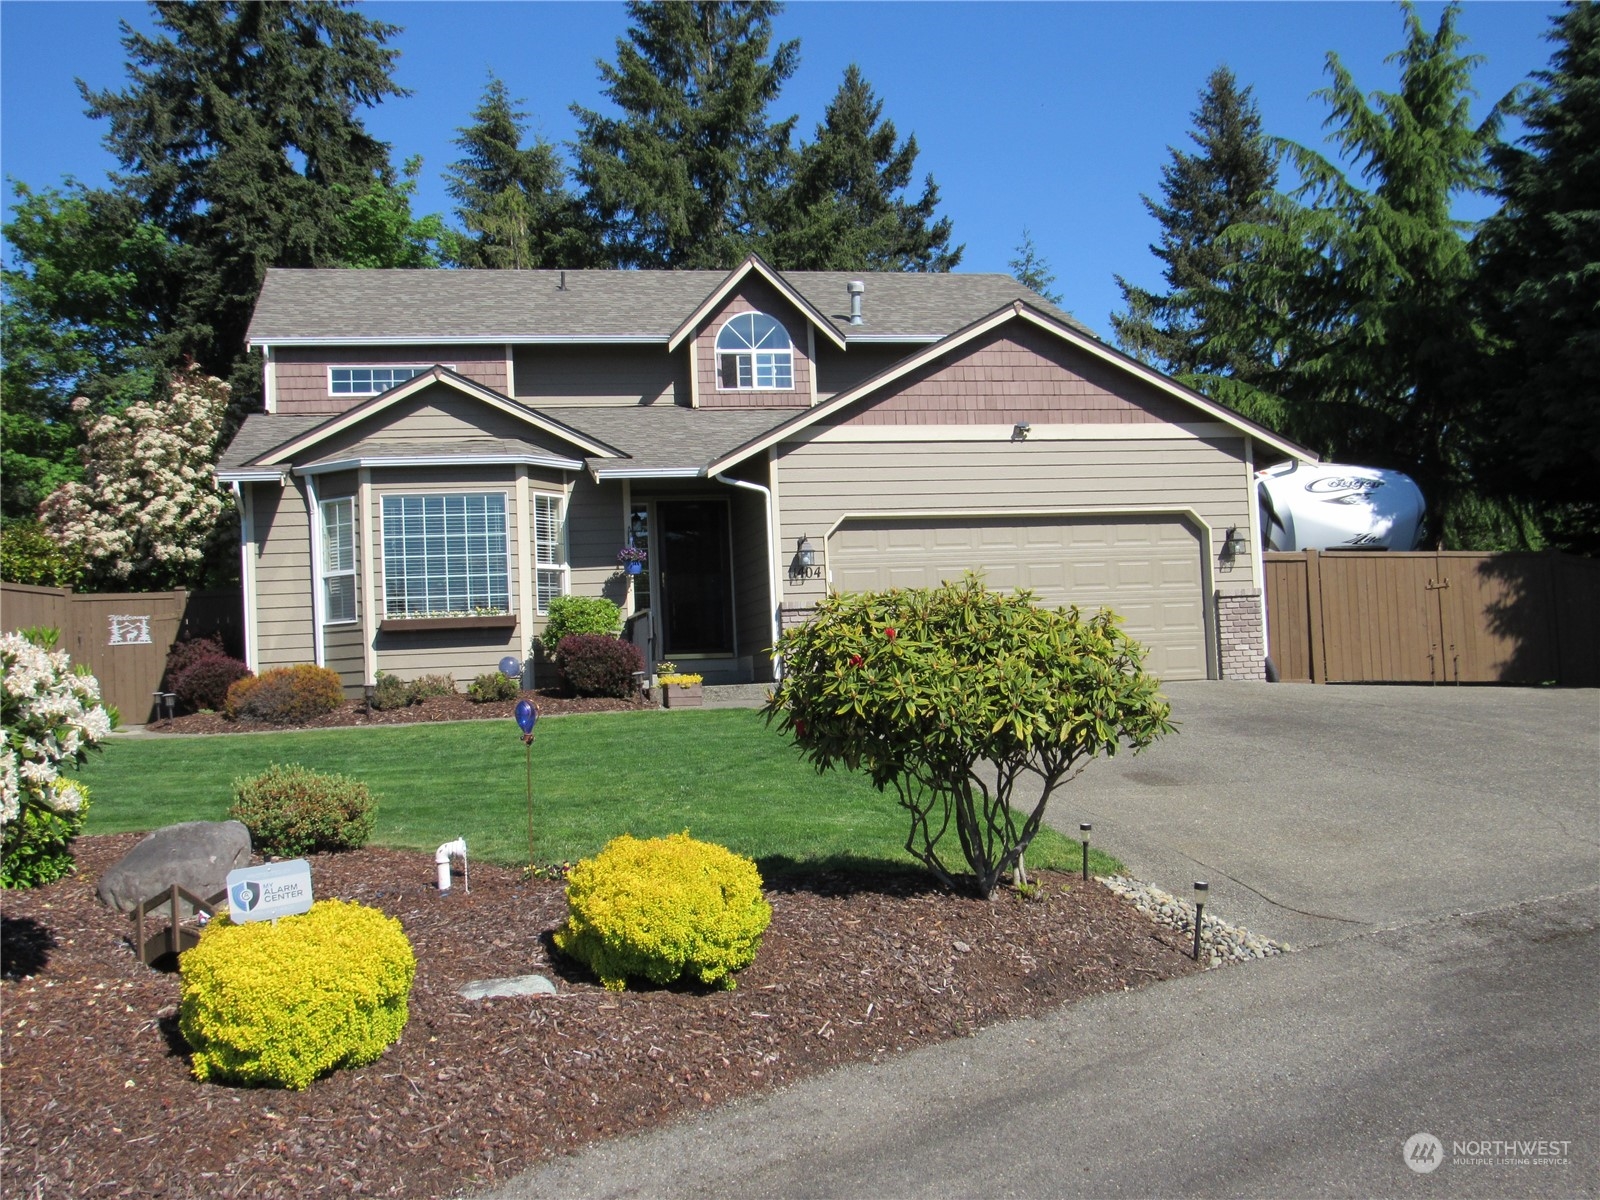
(595, 664)
(38, 848)
(664, 909)
(492, 685)
(204, 682)
(390, 692)
(28, 554)
(287, 694)
(424, 686)
(579, 614)
(293, 810)
(278, 1003)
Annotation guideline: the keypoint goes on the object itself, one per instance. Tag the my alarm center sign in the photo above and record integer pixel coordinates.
(265, 893)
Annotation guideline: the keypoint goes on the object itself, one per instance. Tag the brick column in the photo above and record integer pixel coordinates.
(1242, 641)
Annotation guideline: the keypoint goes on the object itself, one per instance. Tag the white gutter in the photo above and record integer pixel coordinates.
(259, 475)
(442, 460)
(600, 473)
(477, 339)
(772, 552)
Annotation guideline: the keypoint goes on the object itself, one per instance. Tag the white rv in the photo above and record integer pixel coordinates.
(1327, 506)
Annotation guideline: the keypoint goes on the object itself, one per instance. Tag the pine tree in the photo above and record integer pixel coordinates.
(1541, 290)
(513, 201)
(1361, 297)
(238, 124)
(685, 176)
(1229, 182)
(1031, 270)
(845, 209)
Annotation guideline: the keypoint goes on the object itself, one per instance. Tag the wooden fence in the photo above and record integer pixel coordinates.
(123, 637)
(1433, 617)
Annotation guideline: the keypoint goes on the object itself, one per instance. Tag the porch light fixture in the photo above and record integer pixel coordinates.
(1020, 431)
(1083, 836)
(1202, 891)
(1234, 544)
(806, 556)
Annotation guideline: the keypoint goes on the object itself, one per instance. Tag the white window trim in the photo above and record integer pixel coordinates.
(410, 493)
(751, 354)
(562, 565)
(415, 368)
(325, 572)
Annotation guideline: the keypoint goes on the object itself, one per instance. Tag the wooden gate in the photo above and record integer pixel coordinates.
(122, 637)
(1433, 617)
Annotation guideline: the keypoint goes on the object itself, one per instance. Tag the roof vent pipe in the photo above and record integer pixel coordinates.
(855, 287)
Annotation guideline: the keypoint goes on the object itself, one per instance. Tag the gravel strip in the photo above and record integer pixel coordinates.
(1223, 943)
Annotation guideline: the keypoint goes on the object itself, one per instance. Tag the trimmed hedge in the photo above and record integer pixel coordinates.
(571, 615)
(293, 810)
(594, 664)
(205, 682)
(664, 909)
(492, 685)
(286, 694)
(278, 1003)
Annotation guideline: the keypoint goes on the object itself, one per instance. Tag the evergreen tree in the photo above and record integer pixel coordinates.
(1359, 299)
(513, 201)
(1541, 290)
(1229, 182)
(80, 296)
(1031, 270)
(685, 176)
(844, 208)
(239, 123)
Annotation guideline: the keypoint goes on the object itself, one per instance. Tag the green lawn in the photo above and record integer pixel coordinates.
(721, 774)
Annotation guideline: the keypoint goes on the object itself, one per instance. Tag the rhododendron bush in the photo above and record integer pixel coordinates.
(51, 716)
(151, 503)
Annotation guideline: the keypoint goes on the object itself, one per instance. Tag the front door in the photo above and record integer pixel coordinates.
(696, 577)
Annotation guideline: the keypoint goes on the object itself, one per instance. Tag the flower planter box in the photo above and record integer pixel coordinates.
(677, 696)
(434, 624)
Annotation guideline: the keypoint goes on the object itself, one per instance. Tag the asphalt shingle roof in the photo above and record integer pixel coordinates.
(335, 305)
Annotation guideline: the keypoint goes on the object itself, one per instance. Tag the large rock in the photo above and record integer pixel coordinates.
(196, 855)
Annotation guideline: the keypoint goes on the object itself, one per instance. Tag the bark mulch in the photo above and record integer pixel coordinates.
(99, 1100)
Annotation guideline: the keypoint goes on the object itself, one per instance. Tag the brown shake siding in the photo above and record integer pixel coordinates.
(600, 375)
(754, 295)
(840, 370)
(302, 371)
(1021, 374)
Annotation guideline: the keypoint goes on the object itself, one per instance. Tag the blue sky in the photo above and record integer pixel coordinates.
(1050, 116)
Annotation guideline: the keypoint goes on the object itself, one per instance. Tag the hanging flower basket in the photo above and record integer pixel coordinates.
(632, 559)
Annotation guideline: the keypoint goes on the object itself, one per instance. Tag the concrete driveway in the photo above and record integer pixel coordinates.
(1437, 852)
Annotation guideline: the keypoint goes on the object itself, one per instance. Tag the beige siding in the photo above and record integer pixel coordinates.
(302, 371)
(283, 575)
(752, 575)
(550, 376)
(754, 295)
(822, 482)
(341, 650)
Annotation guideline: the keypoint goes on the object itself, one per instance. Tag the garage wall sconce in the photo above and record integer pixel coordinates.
(1234, 544)
(1020, 431)
(804, 564)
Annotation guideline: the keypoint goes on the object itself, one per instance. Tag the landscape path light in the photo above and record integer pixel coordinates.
(1202, 891)
(1083, 836)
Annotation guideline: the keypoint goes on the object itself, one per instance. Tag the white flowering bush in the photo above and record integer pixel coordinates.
(50, 717)
(150, 505)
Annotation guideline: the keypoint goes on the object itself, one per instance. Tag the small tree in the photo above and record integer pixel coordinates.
(952, 696)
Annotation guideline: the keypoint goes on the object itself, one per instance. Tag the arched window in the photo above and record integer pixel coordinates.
(754, 351)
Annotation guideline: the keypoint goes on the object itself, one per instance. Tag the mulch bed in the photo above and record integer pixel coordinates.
(354, 714)
(99, 1100)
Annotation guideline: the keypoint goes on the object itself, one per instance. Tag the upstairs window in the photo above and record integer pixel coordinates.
(754, 352)
(368, 381)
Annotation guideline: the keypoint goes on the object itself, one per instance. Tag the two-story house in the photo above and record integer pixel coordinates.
(443, 453)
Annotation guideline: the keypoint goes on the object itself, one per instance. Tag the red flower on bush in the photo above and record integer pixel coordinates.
(855, 660)
(800, 727)
(889, 632)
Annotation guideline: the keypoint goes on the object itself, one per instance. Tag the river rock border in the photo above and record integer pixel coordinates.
(1220, 942)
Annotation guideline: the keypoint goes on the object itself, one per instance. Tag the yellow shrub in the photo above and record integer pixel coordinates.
(663, 909)
(280, 1003)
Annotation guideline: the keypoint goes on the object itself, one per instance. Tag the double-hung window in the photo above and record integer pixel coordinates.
(549, 550)
(368, 381)
(445, 555)
(754, 351)
(338, 561)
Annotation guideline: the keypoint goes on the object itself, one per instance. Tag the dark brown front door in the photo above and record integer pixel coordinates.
(696, 577)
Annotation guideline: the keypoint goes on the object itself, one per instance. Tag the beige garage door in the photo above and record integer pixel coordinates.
(1145, 568)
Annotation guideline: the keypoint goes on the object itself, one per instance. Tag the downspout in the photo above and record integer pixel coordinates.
(772, 557)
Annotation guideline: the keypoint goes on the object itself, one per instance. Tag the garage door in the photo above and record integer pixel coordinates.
(1146, 569)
